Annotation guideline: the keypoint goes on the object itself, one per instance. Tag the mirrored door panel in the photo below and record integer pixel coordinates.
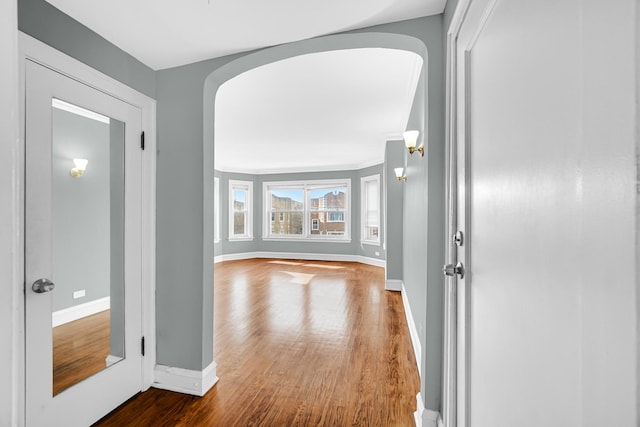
(87, 243)
(83, 250)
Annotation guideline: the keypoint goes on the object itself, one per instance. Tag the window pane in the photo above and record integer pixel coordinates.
(328, 198)
(239, 199)
(238, 223)
(287, 200)
(291, 223)
(371, 233)
(327, 223)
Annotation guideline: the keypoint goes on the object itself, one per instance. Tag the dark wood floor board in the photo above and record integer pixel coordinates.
(298, 343)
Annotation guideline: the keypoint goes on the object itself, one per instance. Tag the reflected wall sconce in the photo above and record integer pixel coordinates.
(400, 174)
(411, 139)
(80, 165)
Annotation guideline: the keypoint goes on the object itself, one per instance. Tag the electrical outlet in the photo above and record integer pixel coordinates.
(79, 294)
(377, 253)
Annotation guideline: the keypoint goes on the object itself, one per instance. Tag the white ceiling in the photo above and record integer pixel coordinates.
(323, 111)
(169, 33)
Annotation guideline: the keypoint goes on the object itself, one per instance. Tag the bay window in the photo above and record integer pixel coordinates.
(313, 210)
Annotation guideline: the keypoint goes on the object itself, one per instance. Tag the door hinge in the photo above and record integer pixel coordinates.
(142, 140)
(142, 346)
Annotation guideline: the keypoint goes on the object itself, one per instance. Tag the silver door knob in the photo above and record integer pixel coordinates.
(41, 286)
(452, 270)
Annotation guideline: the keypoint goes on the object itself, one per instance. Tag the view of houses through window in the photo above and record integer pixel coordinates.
(307, 209)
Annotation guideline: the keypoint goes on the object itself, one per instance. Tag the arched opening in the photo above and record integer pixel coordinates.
(280, 53)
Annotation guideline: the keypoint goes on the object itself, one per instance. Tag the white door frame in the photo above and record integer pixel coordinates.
(468, 21)
(36, 51)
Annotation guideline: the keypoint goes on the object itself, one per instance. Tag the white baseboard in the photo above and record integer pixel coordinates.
(79, 311)
(393, 285)
(185, 380)
(426, 417)
(111, 359)
(413, 331)
(306, 256)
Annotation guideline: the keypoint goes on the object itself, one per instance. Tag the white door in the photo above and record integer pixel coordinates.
(82, 250)
(545, 186)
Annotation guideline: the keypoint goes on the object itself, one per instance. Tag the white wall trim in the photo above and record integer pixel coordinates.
(304, 256)
(426, 417)
(186, 381)
(79, 311)
(394, 285)
(415, 340)
(35, 50)
(111, 359)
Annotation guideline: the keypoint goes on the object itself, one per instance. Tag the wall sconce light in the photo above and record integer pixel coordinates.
(411, 139)
(80, 167)
(400, 174)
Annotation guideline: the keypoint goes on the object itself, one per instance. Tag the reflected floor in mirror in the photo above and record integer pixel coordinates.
(80, 349)
(304, 343)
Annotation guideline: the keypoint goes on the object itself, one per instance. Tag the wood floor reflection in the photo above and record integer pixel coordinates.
(80, 349)
(297, 343)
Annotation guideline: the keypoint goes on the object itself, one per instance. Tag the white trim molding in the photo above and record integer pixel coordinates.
(413, 331)
(426, 417)
(187, 381)
(305, 256)
(111, 359)
(394, 285)
(79, 311)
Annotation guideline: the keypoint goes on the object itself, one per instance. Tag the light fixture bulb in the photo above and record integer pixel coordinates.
(80, 167)
(400, 174)
(411, 138)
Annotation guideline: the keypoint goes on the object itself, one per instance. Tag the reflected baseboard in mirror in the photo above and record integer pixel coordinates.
(81, 349)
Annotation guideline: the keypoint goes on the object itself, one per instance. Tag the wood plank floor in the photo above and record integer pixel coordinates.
(80, 349)
(298, 343)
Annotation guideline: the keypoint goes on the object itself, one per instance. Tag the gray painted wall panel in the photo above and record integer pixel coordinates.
(44, 22)
(394, 158)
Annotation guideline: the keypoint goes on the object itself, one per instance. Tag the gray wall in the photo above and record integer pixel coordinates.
(51, 26)
(225, 247)
(395, 157)
(448, 15)
(81, 212)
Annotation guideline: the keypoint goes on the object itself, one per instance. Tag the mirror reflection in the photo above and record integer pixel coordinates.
(88, 243)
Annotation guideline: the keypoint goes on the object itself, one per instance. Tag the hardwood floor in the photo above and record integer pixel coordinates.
(79, 350)
(298, 343)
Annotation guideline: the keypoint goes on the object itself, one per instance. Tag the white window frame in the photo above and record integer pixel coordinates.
(216, 209)
(248, 218)
(363, 209)
(307, 187)
(315, 224)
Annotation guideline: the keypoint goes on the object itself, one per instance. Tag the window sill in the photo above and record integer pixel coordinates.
(370, 242)
(303, 240)
(240, 239)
